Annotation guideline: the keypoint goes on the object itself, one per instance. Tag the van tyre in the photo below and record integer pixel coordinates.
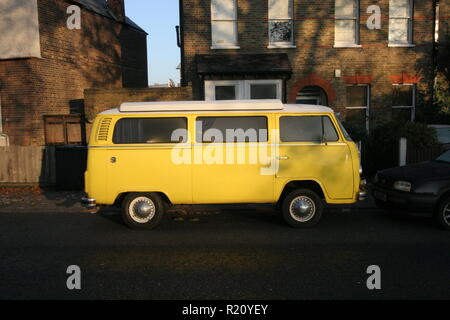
(302, 208)
(442, 214)
(142, 210)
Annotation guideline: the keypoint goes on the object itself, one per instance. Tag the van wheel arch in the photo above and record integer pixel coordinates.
(300, 184)
(120, 198)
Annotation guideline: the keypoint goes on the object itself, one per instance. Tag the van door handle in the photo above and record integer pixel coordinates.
(282, 158)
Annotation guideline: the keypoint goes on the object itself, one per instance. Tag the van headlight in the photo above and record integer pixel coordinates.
(402, 186)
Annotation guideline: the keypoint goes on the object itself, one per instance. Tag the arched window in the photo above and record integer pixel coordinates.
(312, 95)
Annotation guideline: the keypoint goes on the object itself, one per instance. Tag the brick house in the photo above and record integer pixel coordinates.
(45, 65)
(444, 38)
(315, 52)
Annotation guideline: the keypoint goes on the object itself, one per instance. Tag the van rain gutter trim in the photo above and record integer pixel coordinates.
(220, 144)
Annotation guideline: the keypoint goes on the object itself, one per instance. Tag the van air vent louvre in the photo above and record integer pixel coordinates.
(102, 134)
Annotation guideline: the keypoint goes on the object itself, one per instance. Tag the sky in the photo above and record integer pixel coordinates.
(158, 18)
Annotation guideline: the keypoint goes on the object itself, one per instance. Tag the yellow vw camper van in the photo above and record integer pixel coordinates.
(146, 156)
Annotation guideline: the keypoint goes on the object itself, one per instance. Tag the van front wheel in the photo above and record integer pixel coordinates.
(302, 208)
(142, 210)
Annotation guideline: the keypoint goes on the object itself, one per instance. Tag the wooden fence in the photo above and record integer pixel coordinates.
(27, 166)
(414, 155)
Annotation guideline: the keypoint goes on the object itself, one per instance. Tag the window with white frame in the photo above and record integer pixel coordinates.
(346, 28)
(403, 102)
(436, 23)
(243, 89)
(400, 22)
(4, 140)
(358, 103)
(224, 24)
(281, 23)
(263, 89)
(223, 90)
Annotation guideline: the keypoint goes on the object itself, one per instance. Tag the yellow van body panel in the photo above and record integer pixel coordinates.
(139, 168)
(115, 169)
(238, 174)
(330, 164)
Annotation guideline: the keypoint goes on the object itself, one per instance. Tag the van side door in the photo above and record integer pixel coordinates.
(230, 155)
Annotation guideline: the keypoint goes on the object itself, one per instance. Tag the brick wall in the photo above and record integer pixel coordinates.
(314, 56)
(72, 60)
(98, 100)
(134, 58)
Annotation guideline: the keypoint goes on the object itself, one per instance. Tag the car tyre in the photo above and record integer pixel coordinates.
(302, 208)
(442, 214)
(142, 210)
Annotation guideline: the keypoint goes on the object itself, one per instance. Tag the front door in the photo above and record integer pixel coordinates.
(311, 149)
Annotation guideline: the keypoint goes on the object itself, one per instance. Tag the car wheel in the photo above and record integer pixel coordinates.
(443, 214)
(302, 208)
(142, 210)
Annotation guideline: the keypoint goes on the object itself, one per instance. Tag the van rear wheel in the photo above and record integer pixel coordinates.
(302, 208)
(142, 210)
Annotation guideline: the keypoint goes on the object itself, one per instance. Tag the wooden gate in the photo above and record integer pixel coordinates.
(64, 130)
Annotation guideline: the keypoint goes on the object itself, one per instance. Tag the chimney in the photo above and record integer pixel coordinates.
(117, 8)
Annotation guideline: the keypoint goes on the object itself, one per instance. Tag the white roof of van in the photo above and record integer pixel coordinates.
(201, 105)
(264, 106)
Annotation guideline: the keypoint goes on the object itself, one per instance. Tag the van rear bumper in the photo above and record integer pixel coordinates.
(88, 202)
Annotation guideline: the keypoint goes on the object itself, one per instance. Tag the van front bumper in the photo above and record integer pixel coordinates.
(88, 202)
(362, 194)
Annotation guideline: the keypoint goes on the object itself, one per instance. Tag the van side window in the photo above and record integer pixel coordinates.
(150, 130)
(231, 129)
(329, 130)
(307, 129)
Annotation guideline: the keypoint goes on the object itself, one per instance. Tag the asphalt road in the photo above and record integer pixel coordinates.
(233, 255)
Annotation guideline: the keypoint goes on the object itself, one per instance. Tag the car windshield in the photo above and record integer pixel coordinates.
(443, 134)
(445, 157)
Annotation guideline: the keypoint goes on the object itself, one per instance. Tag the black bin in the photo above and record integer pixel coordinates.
(71, 162)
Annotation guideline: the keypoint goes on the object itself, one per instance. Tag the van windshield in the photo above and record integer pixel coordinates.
(344, 131)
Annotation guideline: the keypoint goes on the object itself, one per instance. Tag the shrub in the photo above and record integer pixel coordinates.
(358, 133)
(419, 135)
(380, 148)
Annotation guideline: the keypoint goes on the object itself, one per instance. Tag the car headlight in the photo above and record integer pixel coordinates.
(402, 186)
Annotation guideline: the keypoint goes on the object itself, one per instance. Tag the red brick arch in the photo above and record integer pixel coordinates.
(312, 80)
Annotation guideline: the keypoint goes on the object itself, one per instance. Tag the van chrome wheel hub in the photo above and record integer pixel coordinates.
(302, 209)
(142, 209)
